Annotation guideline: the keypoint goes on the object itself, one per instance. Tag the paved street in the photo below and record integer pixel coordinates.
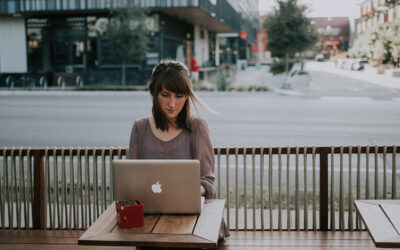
(327, 109)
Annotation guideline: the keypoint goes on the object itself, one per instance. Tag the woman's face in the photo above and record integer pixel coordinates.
(171, 103)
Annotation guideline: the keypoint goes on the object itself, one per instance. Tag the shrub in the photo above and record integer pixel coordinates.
(278, 66)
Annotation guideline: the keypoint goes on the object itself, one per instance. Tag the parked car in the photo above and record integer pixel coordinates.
(319, 58)
(358, 64)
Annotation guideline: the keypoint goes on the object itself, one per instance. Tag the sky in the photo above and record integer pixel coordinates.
(321, 8)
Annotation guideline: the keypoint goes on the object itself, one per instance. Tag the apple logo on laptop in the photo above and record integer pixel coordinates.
(156, 188)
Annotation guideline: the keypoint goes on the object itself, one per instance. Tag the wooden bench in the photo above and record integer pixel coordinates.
(68, 239)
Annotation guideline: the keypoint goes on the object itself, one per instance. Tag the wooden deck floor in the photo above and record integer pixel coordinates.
(54, 239)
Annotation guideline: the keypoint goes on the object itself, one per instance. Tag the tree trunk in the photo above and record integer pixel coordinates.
(286, 62)
(123, 75)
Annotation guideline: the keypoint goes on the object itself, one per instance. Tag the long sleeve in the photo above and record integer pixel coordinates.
(204, 152)
(133, 151)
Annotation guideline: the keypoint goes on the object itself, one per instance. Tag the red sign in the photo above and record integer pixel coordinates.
(243, 34)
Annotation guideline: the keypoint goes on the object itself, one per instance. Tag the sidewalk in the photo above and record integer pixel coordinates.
(367, 76)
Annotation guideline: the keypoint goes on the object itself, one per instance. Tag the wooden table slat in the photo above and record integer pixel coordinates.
(378, 223)
(393, 214)
(104, 224)
(209, 221)
(149, 223)
(154, 240)
(175, 224)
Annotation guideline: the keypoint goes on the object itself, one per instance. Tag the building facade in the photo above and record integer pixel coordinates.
(334, 34)
(260, 48)
(50, 37)
(376, 12)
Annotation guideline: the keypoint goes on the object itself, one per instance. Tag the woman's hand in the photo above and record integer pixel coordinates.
(202, 190)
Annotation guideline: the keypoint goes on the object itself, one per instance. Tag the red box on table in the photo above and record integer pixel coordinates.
(130, 213)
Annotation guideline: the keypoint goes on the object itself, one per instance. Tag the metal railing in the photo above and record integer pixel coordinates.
(271, 188)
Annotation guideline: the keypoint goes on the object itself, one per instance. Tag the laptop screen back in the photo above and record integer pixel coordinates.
(163, 186)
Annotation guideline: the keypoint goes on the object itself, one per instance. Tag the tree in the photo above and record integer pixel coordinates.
(127, 37)
(289, 31)
(381, 43)
(395, 41)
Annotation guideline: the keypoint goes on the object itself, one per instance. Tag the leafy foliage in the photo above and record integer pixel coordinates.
(127, 37)
(379, 43)
(289, 30)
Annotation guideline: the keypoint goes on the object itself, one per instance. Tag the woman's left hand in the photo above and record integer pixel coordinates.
(202, 190)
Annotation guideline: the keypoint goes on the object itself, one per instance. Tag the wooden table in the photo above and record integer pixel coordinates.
(382, 220)
(189, 231)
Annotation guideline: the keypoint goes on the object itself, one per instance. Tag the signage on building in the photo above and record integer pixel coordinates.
(243, 34)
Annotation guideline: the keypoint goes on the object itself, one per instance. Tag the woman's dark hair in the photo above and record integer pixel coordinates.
(173, 76)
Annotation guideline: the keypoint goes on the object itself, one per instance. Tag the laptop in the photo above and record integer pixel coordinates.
(163, 186)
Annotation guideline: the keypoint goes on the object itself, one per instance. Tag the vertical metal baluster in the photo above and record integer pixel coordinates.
(245, 186)
(288, 188)
(227, 189)
(376, 173)
(23, 187)
(48, 177)
(236, 189)
(341, 191)
(262, 187)
(367, 174)
(88, 210)
(297, 216)
(95, 185)
(358, 221)
(14, 187)
(64, 208)
(394, 175)
(350, 222)
(103, 179)
(30, 176)
(110, 180)
(120, 153)
(2, 188)
(253, 169)
(333, 227)
(24, 192)
(57, 203)
(305, 190)
(7, 189)
(270, 189)
(384, 173)
(314, 189)
(20, 190)
(72, 204)
(80, 185)
(2, 206)
(279, 188)
(219, 172)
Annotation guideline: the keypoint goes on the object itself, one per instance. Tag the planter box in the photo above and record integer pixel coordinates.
(396, 73)
(130, 213)
(380, 71)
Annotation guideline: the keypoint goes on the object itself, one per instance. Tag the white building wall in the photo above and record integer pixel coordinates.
(12, 45)
(201, 48)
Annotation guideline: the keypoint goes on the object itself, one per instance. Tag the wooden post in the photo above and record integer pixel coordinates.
(39, 197)
(323, 188)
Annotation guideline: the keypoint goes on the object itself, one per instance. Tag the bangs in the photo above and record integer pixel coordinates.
(174, 81)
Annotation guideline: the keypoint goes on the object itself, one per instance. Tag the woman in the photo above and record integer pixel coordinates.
(172, 132)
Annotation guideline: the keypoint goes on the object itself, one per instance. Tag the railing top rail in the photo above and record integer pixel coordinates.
(8, 151)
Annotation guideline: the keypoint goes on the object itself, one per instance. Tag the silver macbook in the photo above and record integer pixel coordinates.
(163, 186)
